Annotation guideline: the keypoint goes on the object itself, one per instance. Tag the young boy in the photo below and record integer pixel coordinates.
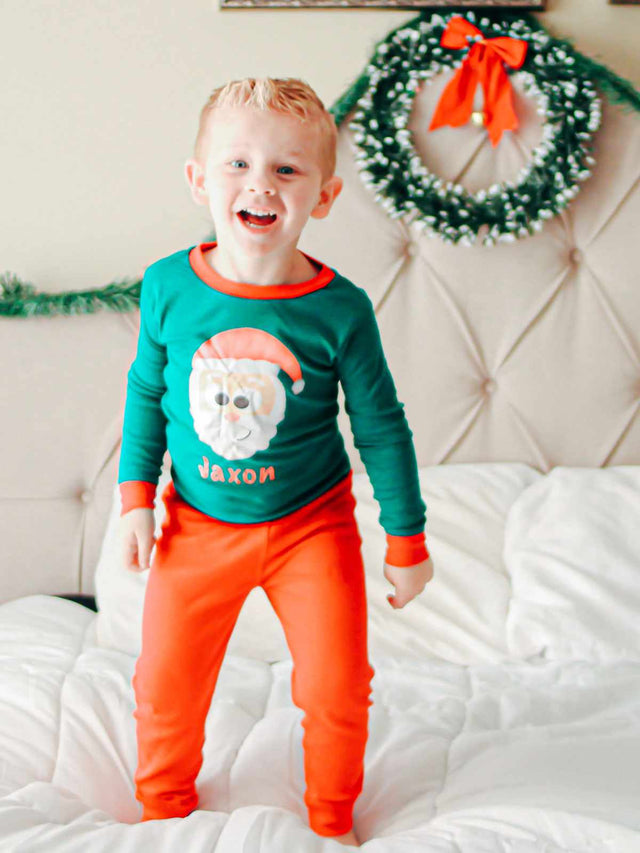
(241, 347)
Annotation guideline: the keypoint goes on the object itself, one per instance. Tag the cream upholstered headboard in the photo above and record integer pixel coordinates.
(526, 351)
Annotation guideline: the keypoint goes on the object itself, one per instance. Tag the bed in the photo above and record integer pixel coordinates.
(506, 698)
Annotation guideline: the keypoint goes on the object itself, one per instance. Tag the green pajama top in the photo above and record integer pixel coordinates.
(240, 383)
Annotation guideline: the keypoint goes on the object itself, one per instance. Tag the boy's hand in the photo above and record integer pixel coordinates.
(409, 581)
(136, 538)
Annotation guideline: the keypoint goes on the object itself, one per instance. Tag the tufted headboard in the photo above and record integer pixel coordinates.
(526, 351)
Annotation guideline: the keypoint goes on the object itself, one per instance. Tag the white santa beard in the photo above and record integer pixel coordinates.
(240, 438)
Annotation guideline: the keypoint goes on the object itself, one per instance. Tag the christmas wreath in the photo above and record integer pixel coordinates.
(389, 163)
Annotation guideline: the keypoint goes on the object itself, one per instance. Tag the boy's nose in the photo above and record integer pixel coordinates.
(260, 187)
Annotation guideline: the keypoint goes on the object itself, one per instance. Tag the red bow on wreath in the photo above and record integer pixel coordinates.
(483, 64)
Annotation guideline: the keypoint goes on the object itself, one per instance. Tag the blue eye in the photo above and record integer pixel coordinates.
(290, 168)
(239, 163)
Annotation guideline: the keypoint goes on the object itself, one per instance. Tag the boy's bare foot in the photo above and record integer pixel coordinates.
(348, 839)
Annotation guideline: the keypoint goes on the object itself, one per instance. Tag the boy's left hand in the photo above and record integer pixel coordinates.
(409, 581)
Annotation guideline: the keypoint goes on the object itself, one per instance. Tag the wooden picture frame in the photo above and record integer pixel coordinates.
(385, 4)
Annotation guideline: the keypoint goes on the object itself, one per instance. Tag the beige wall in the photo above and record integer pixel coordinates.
(100, 103)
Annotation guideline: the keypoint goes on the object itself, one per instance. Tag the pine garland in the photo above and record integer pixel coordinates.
(618, 90)
(19, 299)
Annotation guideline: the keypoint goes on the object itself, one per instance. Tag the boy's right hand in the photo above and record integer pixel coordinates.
(137, 529)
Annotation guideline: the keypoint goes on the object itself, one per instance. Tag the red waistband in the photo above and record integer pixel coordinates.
(339, 490)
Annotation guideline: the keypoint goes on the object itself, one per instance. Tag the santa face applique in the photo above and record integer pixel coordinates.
(236, 398)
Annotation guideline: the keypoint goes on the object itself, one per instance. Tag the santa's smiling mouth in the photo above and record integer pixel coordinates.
(257, 219)
(242, 437)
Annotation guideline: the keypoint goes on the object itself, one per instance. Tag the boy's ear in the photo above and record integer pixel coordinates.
(328, 194)
(194, 174)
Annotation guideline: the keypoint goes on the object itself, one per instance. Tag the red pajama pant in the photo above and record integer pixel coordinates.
(310, 566)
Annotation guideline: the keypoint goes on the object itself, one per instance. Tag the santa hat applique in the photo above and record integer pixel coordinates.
(255, 344)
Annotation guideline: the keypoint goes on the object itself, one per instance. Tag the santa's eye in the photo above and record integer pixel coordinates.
(241, 402)
(221, 398)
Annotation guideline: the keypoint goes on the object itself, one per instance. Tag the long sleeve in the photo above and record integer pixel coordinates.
(144, 425)
(382, 436)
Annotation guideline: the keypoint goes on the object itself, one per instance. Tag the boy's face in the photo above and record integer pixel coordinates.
(261, 162)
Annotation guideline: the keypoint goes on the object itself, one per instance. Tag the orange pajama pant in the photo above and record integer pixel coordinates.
(310, 566)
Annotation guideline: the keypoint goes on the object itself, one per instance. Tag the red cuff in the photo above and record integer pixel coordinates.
(406, 551)
(137, 493)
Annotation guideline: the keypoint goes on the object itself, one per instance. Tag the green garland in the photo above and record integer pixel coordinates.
(617, 89)
(18, 299)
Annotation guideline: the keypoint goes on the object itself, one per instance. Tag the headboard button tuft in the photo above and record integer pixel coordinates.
(576, 256)
(489, 386)
(86, 496)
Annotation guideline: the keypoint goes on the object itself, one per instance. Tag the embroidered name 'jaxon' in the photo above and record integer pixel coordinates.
(235, 475)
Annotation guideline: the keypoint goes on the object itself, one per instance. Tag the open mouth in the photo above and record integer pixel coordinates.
(257, 219)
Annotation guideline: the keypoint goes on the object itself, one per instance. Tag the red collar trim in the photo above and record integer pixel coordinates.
(256, 291)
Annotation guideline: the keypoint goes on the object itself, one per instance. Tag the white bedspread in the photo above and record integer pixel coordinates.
(512, 757)
(529, 745)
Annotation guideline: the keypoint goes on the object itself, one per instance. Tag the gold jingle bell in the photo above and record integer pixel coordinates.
(478, 118)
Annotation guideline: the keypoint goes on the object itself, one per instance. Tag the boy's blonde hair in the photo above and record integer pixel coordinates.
(286, 95)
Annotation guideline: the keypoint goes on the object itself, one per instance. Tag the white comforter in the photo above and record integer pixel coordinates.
(519, 757)
(532, 753)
